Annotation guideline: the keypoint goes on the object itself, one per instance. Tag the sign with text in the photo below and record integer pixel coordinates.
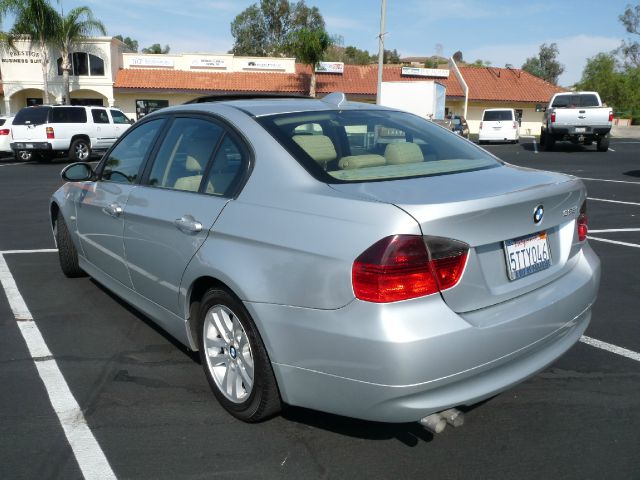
(209, 63)
(154, 61)
(330, 67)
(264, 65)
(425, 72)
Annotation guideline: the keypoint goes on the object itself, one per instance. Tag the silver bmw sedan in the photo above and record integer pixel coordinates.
(338, 256)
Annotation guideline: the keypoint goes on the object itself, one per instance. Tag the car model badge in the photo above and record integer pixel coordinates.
(538, 213)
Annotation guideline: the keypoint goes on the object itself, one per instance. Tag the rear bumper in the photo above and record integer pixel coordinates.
(17, 146)
(399, 362)
(570, 130)
(486, 135)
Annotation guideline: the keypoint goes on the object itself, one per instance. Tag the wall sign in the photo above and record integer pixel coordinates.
(263, 65)
(151, 62)
(208, 63)
(425, 72)
(330, 67)
(22, 56)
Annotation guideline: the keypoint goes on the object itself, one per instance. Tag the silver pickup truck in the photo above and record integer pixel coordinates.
(578, 117)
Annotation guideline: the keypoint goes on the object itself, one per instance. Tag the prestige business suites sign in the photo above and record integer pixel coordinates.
(22, 56)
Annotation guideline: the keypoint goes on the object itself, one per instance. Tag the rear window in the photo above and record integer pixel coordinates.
(575, 101)
(32, 116)
(497, 115)
(372, 145)
(68, 115)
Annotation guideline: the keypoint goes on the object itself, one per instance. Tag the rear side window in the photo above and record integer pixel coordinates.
(497, 116)
(2, 120)
(68, 115)
(32, 116)
(99, 115)
(575, 101)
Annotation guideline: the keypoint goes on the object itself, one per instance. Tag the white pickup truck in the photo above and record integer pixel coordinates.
(578, 117)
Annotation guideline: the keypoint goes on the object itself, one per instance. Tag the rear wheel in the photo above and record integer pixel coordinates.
(603, 144)
(234, 358)
(67, 252)
(23, 156)
(80, 150)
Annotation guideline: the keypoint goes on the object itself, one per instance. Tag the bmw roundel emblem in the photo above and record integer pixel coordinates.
(538, 213)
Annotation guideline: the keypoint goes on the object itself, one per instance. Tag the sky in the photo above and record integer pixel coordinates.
(500, 31)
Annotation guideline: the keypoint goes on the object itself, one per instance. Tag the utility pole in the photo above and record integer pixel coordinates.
(383, 13)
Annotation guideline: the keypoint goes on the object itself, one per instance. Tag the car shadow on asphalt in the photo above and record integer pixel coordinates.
(632, 173)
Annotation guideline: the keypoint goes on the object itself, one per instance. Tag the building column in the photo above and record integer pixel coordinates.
(112, 102)
(7, 106)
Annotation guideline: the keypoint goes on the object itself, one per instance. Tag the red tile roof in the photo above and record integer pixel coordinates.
(505, 84)
(497, 84)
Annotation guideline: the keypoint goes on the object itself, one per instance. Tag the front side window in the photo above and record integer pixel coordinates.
(370, 145)
(124, 161)
(119, 117)
(184, 155)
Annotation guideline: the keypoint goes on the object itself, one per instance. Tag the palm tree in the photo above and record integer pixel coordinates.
(35, 20)
(72, 29)
(309, 46)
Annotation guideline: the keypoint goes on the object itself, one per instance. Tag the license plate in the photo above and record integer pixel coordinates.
(527, 255)
(28, 145)
(580, 129)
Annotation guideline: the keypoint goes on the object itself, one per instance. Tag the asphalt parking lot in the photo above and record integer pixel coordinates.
(149, 408)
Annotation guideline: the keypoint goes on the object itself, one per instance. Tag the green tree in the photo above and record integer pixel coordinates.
(129, 42)
(545, 65)
(36, 20)
(457, 57)
(265, 29)
(157, 49)
(355, 56)
(391, 56)
(73, 28)
(309, 47)
(602, 73)
(481, 63)
(631, 21)
(431, 63)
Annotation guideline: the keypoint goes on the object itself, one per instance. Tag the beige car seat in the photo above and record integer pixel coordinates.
(403, 152)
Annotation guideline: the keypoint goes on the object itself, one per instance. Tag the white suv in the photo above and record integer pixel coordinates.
(499, 125)
(48, 130)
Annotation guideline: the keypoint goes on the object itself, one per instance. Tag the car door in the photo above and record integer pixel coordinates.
(100, 210)
(105, 133)
(169, 215)
(120, 122)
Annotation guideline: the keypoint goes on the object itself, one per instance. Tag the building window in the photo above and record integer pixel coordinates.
(34, 101)
(147, 106)
(84, 64)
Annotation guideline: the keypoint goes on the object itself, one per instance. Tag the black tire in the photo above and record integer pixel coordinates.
(43, 157)
(80, 150)
(549, 142)
(23, 156)
(588, 143)
(67, 253)
(263, 401)
(603, 144)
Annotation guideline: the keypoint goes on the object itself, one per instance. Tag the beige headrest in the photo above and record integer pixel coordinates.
(403, 152)
(318, 147)
(361, 161)
(192, 164)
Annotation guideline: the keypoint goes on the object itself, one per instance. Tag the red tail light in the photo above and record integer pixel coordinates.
(400, 267)
(5, 131)
(553, 117)
(480, 125)
(50, 133)
(611, 116)
(583, 223)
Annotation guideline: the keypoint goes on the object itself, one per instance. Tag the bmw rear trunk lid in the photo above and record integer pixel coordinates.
(506, 214)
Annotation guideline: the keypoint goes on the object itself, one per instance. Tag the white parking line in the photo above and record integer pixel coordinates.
(535, 146)
(87, 451)
(9, 164)
(606, 240)
(612, 181)
(613, 201)
(42, 250)
(611, 348)
(611, 150)
(615, 230)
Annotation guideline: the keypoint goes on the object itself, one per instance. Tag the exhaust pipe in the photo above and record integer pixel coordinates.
(434, 423)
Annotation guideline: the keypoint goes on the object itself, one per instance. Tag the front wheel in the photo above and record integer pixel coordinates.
(67, 253)
(80, 150)
(234, 358)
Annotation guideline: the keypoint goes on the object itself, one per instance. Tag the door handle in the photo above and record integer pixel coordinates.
(188, 224)
(113, 210)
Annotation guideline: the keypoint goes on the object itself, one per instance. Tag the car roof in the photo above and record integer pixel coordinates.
(498, 109)
(257, 107)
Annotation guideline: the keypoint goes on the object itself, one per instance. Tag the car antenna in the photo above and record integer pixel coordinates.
(335, 98)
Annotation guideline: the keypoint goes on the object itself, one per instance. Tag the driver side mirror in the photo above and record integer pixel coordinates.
(77, 172)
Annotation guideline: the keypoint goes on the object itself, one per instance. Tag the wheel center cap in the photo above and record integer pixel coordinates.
(233, 352)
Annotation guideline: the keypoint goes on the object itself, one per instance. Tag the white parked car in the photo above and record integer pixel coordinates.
(499, 125)
(5, 135)
(47, 130)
